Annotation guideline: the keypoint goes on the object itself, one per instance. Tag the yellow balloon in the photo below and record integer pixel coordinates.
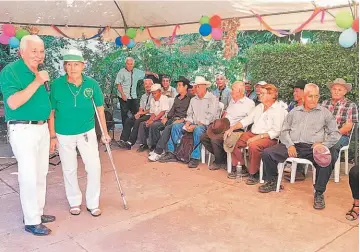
(207, 38)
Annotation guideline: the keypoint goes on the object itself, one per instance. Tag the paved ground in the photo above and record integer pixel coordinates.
(173, 208)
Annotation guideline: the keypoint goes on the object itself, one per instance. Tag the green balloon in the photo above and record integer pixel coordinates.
(344, 19)
(149, 44)
(21, 33)
(131, 32)
(204, 20)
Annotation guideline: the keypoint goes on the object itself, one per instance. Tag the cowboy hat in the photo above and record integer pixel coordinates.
(230, 141)
(199, 80)
(342, 82)
(217, 129)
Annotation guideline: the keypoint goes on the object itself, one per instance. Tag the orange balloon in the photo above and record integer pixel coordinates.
(215, 21)
(125, 40)
(355, 25)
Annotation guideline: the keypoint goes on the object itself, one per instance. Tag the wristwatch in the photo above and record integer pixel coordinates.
(261, 136)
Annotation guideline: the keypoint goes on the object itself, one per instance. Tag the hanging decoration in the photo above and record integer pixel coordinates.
(101, 31)
(282, 33)
(355, 25)
(156, 41)
(230, 27)
(211, 27)
(14, 42)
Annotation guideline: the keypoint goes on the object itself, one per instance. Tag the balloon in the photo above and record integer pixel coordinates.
(207, 38)
(131, 33)
(8, 30)
(205, 30)
(216, 33)
(215, 21)
(118, 41)
(4, 39)
(14, 42)
(21, 33)
(344, 19)
(347, 38)
(131, 44)
(149, 44)
(125, 40)
(355, 24)
(204, 20)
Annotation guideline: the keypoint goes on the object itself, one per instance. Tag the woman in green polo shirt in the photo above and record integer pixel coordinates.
(72, 125)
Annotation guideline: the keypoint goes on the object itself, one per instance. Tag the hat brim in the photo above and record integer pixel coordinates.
(231, 140)
(347, 86)
(207, 83)
(322, 159)
(73, 58)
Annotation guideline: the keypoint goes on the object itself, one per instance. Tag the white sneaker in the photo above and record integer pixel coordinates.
(151, 153)
(154, 157)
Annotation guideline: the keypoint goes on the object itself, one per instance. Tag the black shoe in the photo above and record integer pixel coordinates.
(47, 218)
(253, 179)
(319, 201)
(39, 230)
(232, 175)
(215, 166)
(125, 145)
(269, 186)
(244, 172)
(168, 157)
(142, 148)
(194, 163)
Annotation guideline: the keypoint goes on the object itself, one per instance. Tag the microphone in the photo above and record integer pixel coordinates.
(46, 83)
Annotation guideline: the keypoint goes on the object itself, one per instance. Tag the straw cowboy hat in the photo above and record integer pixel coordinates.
(217, 129)
(73, 55)
(199, 80)
(230, 141)
(342, 82)
(155, 87)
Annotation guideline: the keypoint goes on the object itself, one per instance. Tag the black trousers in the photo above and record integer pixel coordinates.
(131, 105)
(131, 129)
(161, 143)
(214, 146)
(278, 154)
(354, 181)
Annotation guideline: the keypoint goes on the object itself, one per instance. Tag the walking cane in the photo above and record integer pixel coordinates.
(111, 159)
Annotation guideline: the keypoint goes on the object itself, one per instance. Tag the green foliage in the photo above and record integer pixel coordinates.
(320, 63)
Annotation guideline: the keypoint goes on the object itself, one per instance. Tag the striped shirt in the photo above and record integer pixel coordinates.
(314, 126)
(344, 111)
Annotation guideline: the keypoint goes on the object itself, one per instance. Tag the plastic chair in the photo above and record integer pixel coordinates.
(345, 149)
(294, 162)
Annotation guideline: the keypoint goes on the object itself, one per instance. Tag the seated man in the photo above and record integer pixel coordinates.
(159, 106)
(177, 114)
(222, 91)
(267, 119)
(306, 128)
(255, 95)
(129, 133)
(239, 107)
(344, 110)
(166, 89)
(203, 110)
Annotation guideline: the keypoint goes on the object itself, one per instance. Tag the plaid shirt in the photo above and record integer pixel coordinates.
(344, 111)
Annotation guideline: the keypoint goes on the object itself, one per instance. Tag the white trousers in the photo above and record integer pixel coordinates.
(30, 144)
(88, 147)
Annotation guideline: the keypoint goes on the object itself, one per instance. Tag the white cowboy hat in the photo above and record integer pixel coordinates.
(261, 83)
(199, 80)
(342, 82)
(155, 87)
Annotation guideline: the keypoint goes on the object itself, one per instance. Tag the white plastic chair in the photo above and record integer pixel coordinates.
(345, 149)
(294, 162)
(203, 150)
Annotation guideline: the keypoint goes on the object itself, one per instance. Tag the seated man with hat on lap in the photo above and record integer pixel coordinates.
(239, 107)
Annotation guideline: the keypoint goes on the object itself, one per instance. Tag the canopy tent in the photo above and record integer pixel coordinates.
(78, 19)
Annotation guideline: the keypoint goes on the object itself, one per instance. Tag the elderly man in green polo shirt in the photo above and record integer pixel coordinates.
(72, 125)
(27, 109)
(126, 82)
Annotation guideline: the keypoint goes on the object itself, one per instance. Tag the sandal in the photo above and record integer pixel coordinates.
(352, 215)
(75, 210)
(96, 212)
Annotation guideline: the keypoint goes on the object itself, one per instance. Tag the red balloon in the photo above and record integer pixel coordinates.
(215, 21)
(125, 40)
(355, 25)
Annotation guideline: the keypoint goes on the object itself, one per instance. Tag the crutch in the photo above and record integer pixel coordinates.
(111, 158)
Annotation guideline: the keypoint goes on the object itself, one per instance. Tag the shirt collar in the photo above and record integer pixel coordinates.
(206, 96)
(24, 66)
(242, 100)
(318, 107)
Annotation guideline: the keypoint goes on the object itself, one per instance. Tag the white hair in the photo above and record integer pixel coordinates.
(129, 58)
(152, 82)
(27, 38)
(311, 86)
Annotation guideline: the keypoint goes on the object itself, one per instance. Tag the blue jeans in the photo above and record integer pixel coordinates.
(177, 132)
(343, 141)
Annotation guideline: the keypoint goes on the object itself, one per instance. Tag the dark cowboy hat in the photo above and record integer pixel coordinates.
(300, 84)
(183, 80)
(217, 129)
(152, 77)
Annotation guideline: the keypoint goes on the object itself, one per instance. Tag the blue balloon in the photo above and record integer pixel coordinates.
(118, 41)
(14, 42)
(131, 44)
(205, 30)
(348, 38)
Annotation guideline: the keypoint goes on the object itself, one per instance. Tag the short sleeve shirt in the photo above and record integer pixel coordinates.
(158, 106)
(129, 80)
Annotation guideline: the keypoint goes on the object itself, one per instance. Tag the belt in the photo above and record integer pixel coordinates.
(26, 122)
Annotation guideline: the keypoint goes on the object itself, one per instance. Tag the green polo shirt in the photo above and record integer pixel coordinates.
(15, 77)
(71, 119)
